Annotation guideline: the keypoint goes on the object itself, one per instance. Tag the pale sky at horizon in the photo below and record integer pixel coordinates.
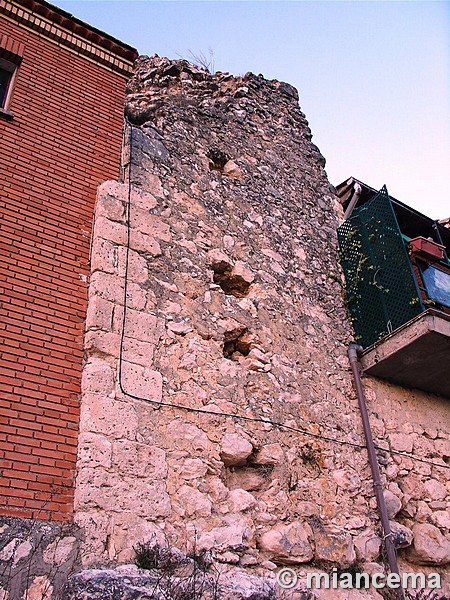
(373, 77)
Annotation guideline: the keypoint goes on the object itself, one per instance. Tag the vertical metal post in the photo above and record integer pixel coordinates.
(377, 484)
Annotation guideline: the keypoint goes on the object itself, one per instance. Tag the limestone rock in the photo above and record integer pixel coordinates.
(192, 468)
(242, 586)
(367, 546)
(435, 490)
(235, 450)
(393, 503)
(193, 503)
(40, 589)
(402, 536)
(334, 548)
(430, 546)
(288, 544)
(232, 170)
(272, 454)
(347, 479)
(218, 260)
(240, 500)
(128, 582)
(58, 551)
(243, 272)
(236, 535)
(248, 478)
(401, 442)
(344, 594)
(189, 436)
(441, 518)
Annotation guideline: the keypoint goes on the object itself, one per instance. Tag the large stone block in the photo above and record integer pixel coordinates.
(140, 460)
(133, 265)
(336, 548)
(143, 326)
(93, 451)
(97, 377)
(137, 352)
(101, 344)
(150, 224)
(104, 256)
(99, 313)
(110, 230)
(104, 415)
(288, 544)
(235, 449)
(141, 382)
(120, 191)
(430, 546)
(107, 286)
(112, 206)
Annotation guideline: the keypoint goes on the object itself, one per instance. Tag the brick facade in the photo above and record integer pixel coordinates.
(60, 141)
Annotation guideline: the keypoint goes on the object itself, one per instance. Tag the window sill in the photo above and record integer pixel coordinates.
(5, 114)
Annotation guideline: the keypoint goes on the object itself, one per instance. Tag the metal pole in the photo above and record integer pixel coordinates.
(378, 486)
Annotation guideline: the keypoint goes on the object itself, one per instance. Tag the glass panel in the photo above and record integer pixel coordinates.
(438, 284)
(5, 78)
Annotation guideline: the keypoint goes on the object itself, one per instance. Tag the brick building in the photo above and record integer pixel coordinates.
(62, 86)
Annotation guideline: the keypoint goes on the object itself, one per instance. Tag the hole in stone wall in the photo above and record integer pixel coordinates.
(233, 284)
(237, 343)
(218, 159)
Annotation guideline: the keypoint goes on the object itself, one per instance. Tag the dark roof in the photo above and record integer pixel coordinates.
(91, 34)
(411, 222)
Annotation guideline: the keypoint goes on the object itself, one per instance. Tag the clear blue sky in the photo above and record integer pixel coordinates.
(373, 77)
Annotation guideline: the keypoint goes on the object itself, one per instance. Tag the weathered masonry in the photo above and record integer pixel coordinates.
(217, 408)
(218, 418)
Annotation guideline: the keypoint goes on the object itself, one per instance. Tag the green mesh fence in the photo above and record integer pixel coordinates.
(381, 289)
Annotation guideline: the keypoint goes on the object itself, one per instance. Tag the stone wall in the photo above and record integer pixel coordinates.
(36, 557)
(216, 389)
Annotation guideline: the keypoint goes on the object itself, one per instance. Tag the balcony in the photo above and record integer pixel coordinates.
(397, 274)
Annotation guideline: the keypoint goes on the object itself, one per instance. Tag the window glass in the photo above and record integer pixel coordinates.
(7, 73)
(5, 80)
(437, 283)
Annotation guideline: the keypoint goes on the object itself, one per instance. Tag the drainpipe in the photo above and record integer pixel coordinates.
(435, 226)
(353, 201)
(382, 509)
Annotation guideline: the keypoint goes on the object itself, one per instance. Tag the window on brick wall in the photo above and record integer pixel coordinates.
(11, 54)
(7, 75)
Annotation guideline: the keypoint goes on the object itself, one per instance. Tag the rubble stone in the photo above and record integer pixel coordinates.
(430, 546)
(336, 548)
(288, 544)
(393, 503)
(215, 386)
(235, 450)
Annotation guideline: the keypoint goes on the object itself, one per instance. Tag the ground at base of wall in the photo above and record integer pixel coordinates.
(36, 557)
(132, 583)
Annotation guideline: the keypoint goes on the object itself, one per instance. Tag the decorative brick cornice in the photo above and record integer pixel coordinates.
(64, 29)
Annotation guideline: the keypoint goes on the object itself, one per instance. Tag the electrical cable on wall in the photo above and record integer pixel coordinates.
(234, 416)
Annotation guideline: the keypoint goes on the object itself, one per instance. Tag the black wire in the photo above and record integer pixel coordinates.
(224, 414)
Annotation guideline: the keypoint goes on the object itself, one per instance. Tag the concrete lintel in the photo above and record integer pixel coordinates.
(417, 355)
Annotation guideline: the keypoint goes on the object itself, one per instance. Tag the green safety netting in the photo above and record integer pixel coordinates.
(381, 289)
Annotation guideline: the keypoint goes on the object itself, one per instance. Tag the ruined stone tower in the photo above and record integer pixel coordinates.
(218, 414)
(217, 403)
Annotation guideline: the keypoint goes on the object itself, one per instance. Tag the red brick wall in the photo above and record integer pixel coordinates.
(63, 141)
